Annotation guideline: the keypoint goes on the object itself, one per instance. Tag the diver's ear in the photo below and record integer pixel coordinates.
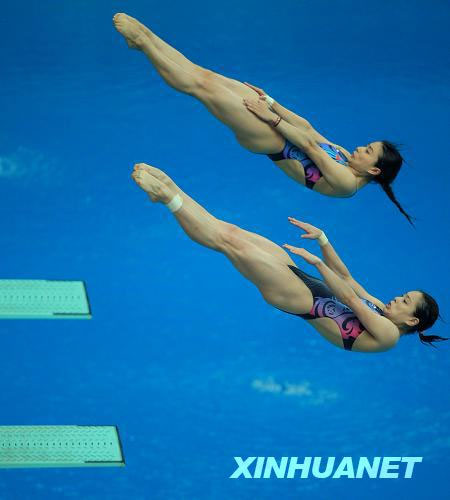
(412, 321)
(374, 171)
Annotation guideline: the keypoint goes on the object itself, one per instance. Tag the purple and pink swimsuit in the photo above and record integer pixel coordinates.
(312, 172)
(326, 305)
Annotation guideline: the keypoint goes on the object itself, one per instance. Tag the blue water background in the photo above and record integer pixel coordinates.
(182, 353)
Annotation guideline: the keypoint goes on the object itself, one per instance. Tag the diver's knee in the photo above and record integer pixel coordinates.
(206, 79)
(231, 237)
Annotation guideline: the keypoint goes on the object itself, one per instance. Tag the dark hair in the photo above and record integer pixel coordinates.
(390, 163)
(427, 312)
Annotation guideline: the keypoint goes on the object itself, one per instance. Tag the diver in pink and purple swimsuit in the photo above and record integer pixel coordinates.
(337, 307)
(362, 314)
(312, 172)
(262, 125)
(326, 305)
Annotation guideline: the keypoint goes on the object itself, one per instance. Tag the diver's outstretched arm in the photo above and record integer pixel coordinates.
(330, 256)
(291, 117)
(280, 110)
(382, 329)
(342, 290)
(333, 260)
(300, 122)
(301, 135)
(340, 179)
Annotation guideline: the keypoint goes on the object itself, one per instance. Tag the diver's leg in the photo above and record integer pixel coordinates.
(178, 58)
(260, 241)
(266, 268)
(224, 103)
(166, 49)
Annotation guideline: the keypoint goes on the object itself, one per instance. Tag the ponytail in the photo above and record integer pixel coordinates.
(429, 339)
(389, 164)
(388, 190)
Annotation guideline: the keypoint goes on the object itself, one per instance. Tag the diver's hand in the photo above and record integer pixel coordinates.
(259, 91)
(262, 95)
(260, 108)
(308, 256)
(312, 232)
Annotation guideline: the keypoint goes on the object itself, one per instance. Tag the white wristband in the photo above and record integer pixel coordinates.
(175, 203)
(269, 100)
(322, 239)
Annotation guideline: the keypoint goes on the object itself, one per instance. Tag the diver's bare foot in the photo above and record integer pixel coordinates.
(139, 25)
(134, 36)
(160, 175)
(156, 190)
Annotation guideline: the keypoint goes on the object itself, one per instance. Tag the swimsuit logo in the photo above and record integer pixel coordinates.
(330, 309)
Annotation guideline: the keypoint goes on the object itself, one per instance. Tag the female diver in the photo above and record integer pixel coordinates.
(261, 125)
(339, 308)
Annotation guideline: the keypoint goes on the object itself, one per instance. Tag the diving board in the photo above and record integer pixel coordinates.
(44, 299)
(60, 446)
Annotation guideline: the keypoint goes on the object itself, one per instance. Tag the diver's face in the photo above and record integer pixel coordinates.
(400, 310)
(364, 158)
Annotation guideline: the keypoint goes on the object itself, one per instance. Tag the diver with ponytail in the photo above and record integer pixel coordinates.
(336, 306)
(263, 126)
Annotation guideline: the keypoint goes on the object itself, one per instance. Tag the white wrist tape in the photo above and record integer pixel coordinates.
(175, 203)
(269, 100)
(322, 239)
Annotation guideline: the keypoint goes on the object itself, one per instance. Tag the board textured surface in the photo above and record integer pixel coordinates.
(60, 446)
(46, 299)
